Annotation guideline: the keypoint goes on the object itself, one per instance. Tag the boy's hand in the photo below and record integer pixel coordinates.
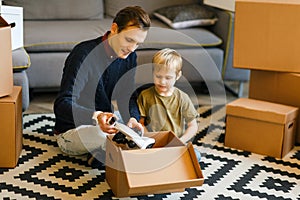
(134, 124)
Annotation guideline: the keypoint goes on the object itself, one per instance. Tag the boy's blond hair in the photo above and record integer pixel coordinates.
(167, 58)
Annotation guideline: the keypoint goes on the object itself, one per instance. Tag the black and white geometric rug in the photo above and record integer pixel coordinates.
(44, 172)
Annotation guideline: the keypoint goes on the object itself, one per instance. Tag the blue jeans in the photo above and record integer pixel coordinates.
(198, 154)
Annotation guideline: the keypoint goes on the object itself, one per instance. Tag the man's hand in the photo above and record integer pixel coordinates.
(134, 124)
(103, 122)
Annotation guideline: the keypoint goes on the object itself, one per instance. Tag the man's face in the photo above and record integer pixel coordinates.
(127, 40)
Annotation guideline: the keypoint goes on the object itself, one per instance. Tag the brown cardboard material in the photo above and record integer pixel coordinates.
(265, 35)
(277, 87)
(261, 127)
(6, 70)
(167, 167)
(11, 128)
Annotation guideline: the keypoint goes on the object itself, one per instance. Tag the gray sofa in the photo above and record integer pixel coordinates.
(52, 28)
(21, 62)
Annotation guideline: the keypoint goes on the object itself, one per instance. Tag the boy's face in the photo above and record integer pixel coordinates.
(127, 40)
(164, 80)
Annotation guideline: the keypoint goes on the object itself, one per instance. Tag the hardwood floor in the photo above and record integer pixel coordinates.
(42, 102)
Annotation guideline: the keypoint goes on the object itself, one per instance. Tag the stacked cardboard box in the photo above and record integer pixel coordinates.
(6, 70)
(265, 42)
(266, 35)
(260, 126)
(11, 128)
(278, 87)
(10, 103)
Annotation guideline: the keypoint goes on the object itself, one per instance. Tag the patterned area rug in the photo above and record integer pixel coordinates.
(44, 172)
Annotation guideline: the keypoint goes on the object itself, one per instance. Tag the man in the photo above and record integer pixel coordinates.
(90, 76)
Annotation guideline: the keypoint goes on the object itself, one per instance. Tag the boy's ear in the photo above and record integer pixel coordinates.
(178, 75)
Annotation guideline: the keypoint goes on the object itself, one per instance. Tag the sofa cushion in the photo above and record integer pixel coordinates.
(113, 6)
(21, 79)
(59, 35)
(21, 59)
(58, 9)
(161, 36)
(184, 16)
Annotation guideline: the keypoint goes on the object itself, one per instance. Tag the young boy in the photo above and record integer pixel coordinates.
(163, 107)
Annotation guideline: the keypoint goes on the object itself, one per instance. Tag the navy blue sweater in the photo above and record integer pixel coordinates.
(92, 77)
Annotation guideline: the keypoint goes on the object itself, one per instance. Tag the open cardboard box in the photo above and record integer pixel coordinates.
(169, 166)
(261, 127)
(6, 70)
(265, 33)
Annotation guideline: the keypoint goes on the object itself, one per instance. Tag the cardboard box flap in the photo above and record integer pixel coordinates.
(262, 110)
(3, 23)
(164, 139)
(10, 98)
(153, 159)
(161, 166)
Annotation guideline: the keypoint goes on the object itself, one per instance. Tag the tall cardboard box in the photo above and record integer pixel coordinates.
(277, 87)
(6, 70)
(169, 166)
(11, 128)
(265, 35)
(260, 127)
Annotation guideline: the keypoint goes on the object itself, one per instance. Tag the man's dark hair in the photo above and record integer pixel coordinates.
(132, 16)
